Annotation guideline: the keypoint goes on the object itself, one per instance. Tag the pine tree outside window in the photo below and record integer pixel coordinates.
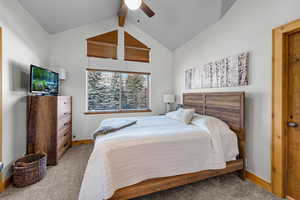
(117, 91)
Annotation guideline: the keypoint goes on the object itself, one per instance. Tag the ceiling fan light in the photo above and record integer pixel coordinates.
(133, 4)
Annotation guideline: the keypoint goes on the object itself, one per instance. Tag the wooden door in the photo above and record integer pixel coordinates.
(2, 186)
(293, 133)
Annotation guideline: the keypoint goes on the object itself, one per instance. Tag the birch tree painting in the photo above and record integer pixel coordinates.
(228, 72)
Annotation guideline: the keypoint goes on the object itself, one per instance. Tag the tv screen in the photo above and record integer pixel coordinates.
(43, 81)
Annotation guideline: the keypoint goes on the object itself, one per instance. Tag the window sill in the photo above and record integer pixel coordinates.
(115, 112)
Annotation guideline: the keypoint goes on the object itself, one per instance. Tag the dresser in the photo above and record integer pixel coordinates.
(49, 126)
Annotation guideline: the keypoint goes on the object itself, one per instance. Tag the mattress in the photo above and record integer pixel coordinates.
(156, 146)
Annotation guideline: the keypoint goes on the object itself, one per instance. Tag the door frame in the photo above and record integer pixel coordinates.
(1, 109)
(280, 106)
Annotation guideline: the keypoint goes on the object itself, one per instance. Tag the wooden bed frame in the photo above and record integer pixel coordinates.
(229, 107)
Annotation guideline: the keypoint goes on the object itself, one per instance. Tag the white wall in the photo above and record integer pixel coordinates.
(246, 27)
(24, 42)
(68, 50)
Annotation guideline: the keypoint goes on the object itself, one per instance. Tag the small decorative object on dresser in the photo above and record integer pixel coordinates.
(49, 126)
(62, 74)
(179, 106)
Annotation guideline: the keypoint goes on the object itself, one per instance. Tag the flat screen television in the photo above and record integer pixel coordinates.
(43, 81)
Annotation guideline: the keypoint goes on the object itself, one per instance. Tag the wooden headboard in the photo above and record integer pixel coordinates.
(227, 106)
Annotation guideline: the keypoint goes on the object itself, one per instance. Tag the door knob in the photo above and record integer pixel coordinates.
(292, 124)
(1, 166)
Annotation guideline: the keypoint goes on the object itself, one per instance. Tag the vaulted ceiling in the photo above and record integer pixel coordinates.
(175, 22)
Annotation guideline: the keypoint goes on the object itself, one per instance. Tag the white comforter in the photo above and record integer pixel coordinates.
(155, 147)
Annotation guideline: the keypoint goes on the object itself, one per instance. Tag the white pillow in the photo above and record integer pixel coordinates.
(183, 115)
(171, 114)
(202, 120)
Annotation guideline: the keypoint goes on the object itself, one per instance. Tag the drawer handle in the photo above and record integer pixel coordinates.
(65, 102)
(65, 124)
(65, 113)
(66, 144)
(65, 134)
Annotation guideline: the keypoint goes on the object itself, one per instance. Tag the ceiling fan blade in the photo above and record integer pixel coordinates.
(147, 10)
(123, 10)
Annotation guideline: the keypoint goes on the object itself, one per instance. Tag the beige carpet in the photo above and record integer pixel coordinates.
(63, 183)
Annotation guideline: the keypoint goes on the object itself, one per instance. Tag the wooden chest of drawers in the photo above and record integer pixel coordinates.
(49, 126)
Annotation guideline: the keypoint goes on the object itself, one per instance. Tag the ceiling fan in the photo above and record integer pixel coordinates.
(133, 5)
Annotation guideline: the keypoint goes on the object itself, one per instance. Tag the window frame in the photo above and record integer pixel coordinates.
(116, 111)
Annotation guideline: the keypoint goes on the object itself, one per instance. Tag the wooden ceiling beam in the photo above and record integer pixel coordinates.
(122, 14)
(122, 20)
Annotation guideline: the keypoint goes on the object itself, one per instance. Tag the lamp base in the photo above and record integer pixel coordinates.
(168, 107)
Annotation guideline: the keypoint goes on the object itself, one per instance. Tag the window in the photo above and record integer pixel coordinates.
(103, 46)
(117, 91)
(135, 50)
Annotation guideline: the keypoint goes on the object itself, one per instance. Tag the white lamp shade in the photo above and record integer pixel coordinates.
(62, 73)
(133, 4)
(169, 98)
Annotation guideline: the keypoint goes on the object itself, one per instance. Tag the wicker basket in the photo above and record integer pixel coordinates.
(29, 169)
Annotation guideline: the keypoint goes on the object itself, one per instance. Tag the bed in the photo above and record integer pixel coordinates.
(151, 156)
